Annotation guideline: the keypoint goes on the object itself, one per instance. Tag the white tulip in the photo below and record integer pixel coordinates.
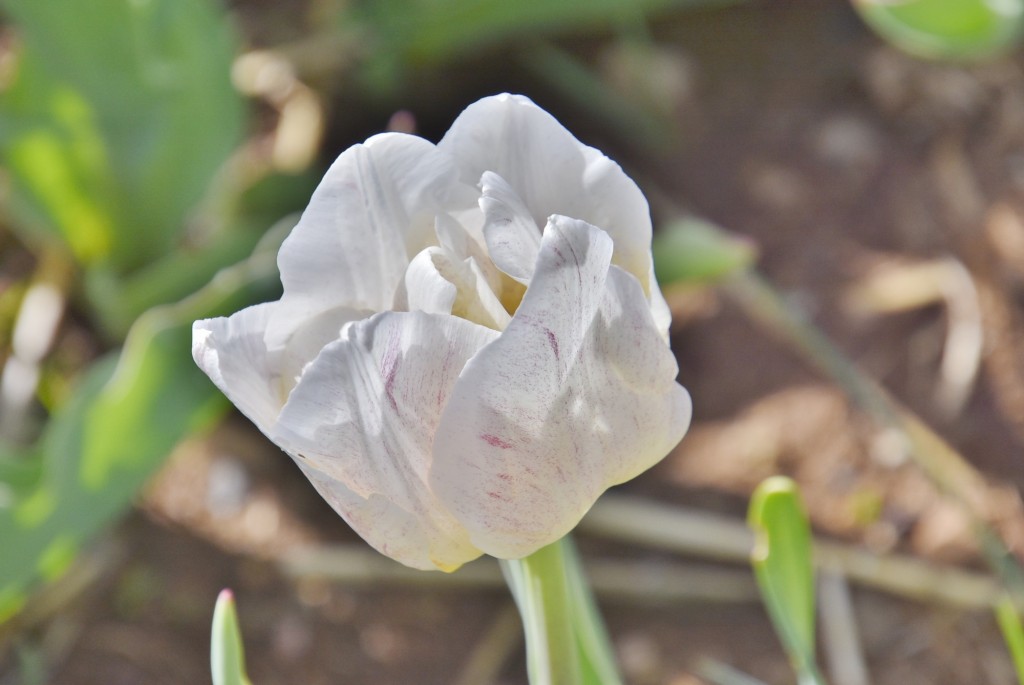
(471, 346)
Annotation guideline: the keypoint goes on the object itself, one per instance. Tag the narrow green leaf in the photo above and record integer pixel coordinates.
(946, 29)
(227, 655)
(692, 250)
(1013, 634)
(782, 560)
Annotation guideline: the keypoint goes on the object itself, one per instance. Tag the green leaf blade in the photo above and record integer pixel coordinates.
(1008, 619)
(782, 560)
(227, 653)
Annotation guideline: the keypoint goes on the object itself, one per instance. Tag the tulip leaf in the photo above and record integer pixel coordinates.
(96, 453)
(946, 29)
(1008, 619)
(120, 300)
(119, 115)
(782, 560)
(19, 474)
(692, 250)
(227, 654)
(126, 415)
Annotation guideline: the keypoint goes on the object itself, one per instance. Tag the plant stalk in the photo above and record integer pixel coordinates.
(566, 643)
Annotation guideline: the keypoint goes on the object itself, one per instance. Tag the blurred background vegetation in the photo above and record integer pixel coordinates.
(154, 153)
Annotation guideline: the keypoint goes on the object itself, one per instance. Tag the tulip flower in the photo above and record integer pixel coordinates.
(470, 346)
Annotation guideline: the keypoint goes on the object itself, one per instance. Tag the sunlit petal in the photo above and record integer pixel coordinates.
(352, 245)
(577, 394)
(232, 353)
(362, 421)
(425, 289)
(553, 173)
(513, 237)
(438, 282)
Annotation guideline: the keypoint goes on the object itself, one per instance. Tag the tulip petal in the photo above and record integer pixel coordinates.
(464, 237)
(232, 353)
(481, 304)
(553, 173)
(361, 424)
(578, 394)
(513, 237)
(372, 211)
(437, 282)
(659, 308)
(305, 342)
(425, 289)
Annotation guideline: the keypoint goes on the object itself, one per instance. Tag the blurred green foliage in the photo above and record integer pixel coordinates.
(947, 29)
(119, 116)
(401, 34)
(127, 414)
(692, 250)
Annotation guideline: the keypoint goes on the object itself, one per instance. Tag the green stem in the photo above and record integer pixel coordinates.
(591, 635)
(565, 640)
(810, 675)
(541, 590)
